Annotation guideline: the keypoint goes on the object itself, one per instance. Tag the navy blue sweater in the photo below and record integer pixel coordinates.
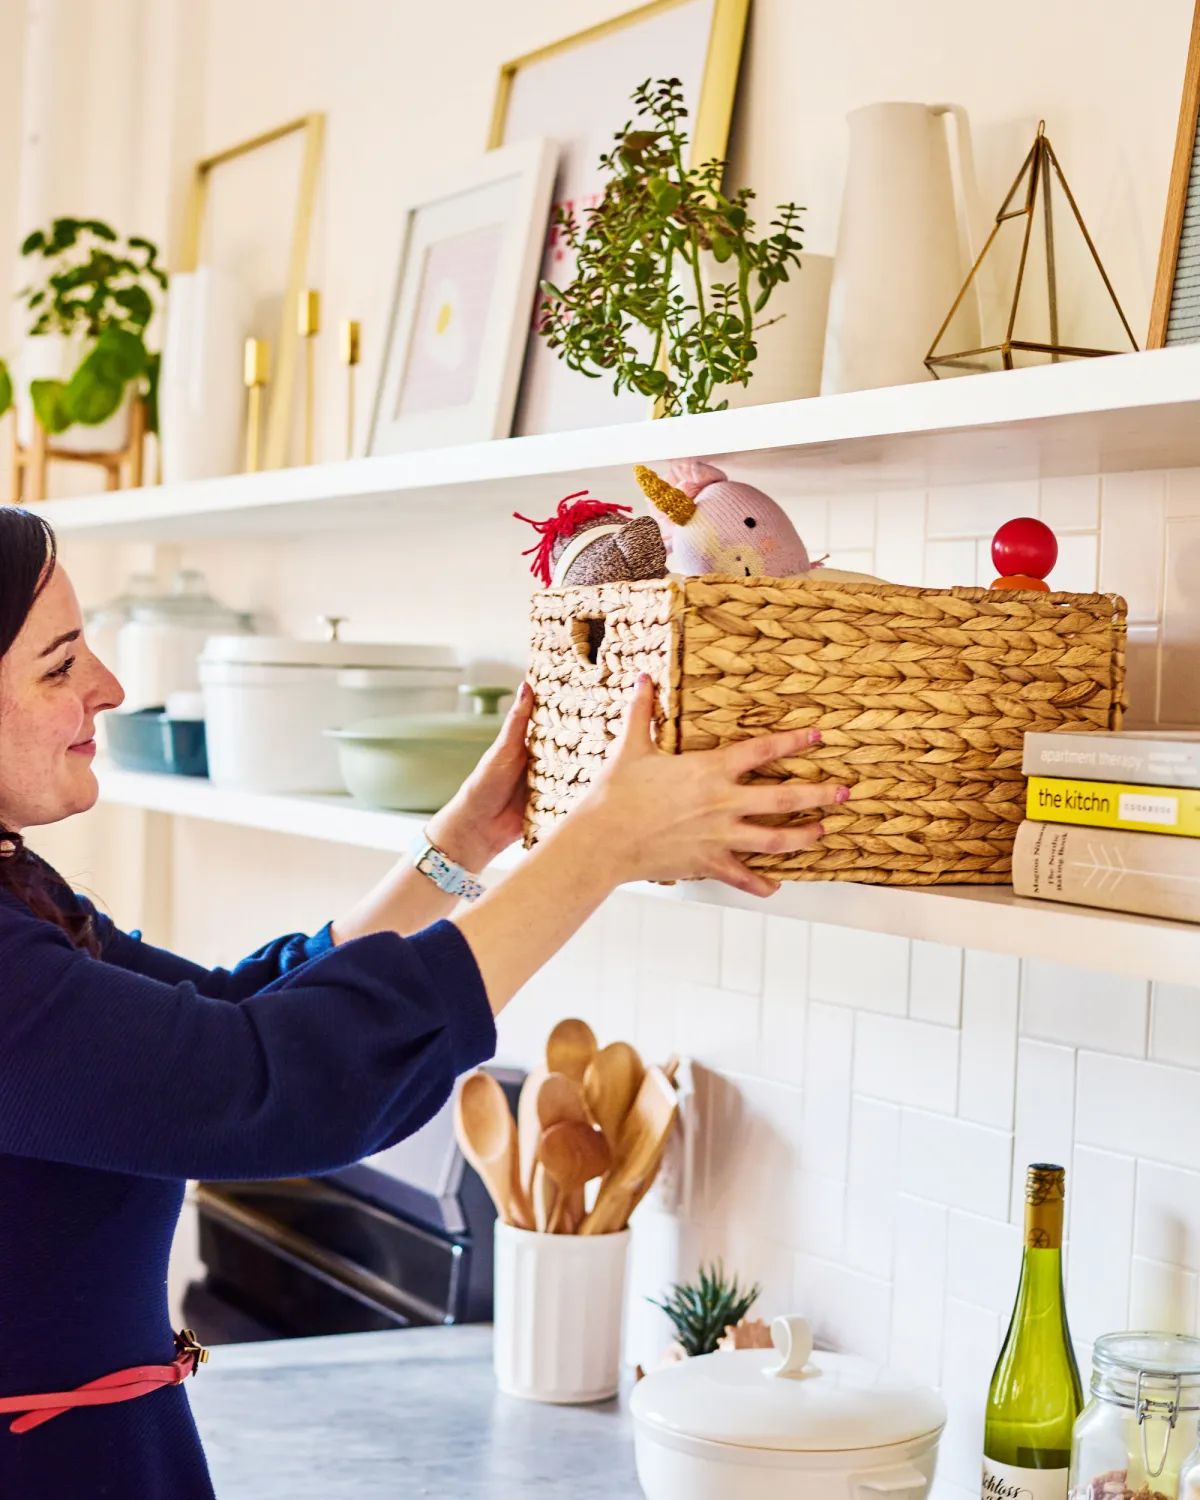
(121, 1077)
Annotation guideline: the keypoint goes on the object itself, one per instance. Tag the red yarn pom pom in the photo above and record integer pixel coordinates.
(572, 512)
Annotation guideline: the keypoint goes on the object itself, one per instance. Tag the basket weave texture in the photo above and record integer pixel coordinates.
(922, 697)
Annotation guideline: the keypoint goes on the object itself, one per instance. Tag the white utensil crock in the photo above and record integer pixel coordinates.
(904, 246)
(559, 1307)
(200, 393)
(751, 1424)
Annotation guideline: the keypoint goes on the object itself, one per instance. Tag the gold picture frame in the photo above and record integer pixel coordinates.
(545, 404)
(312, 126)
(1186, 160)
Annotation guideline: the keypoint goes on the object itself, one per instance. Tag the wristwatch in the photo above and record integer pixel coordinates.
(442, 870)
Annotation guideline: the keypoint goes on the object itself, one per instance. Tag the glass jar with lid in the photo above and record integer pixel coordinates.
(1136, 1434)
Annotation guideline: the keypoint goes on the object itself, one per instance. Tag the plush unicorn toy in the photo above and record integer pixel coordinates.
(716, 525)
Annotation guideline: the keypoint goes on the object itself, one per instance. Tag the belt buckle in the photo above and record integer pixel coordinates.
(186, 1342)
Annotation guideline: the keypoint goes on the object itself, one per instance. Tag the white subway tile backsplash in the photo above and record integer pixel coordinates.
(1166, 1224)
(949, 565)
(848, 1310)
(1131, 541)
(918, 1288)
(956, 1163)
(1175, 1024)
(858, 968)
(988, 1064)
(906, 1062)
(828, 1067)
(1179, 672)
(870, 1229)
(900, 537)
(1104, 1012)
(784, 999)
(1161, 1296)
(1183, 492)
(1071, 503)
(977, 510)
(1045, 1114)
(935, 983)
(1142, 1108)
(1078, 564)
(852, 523)
(983, 1262)
(1100, 1189)
(682, 941)
(874, 1144)
(742, 942)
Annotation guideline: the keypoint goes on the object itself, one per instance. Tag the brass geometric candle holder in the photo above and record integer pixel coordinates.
(1029, 208)
(255, 373)
(349, 353)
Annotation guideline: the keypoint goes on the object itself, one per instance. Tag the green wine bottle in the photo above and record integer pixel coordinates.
(1035, 1394)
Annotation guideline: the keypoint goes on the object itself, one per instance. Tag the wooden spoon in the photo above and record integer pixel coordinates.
(639, 1152)
(529, 1126)
(487, 1134)
(610, 1086)
(545, 1198)
(572, 1155)
(559, 1099)
(569, 1049)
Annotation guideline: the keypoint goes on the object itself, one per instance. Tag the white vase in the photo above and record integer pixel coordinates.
(791, 346)
(53, 356)
(905, 245)
(200, 394)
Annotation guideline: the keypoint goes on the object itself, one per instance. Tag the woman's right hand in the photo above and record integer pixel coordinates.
(680, 817)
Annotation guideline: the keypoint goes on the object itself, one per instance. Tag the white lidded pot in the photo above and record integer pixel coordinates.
(158, 647)
(784, 1424)
(268, 701)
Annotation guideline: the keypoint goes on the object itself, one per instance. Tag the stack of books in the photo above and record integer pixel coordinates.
(1112, 820)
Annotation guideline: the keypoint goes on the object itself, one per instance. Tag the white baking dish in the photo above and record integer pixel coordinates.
(268, 701)
(784, 1424)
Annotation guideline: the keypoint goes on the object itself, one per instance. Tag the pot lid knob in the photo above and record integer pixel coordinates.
(332, 624)
(793, 1342)
(484, 700)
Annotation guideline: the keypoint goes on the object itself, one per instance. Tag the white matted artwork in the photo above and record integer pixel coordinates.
(578, 92)
(464, 294)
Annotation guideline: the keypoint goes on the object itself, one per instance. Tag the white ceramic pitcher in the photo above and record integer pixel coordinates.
(904, 245)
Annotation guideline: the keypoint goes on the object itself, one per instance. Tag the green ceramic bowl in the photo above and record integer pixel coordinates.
(416, 762)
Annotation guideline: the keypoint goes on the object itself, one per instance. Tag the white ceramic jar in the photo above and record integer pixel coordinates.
(784, 1424)
(158, 647)
(268, 701)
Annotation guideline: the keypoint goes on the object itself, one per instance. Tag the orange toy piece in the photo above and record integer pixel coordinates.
(1021, 581)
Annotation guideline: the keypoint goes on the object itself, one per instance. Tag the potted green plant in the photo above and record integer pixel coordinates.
(705, 1311)
(89, 305)
(670, 279)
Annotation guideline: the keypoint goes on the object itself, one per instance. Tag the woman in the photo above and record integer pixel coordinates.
(125, 1070)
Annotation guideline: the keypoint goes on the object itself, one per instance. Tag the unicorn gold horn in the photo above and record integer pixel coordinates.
(673, 503)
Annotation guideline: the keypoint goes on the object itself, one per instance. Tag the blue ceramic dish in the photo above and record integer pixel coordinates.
(147, 740)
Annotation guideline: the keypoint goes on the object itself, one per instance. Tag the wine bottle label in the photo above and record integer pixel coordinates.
(1007, 1482)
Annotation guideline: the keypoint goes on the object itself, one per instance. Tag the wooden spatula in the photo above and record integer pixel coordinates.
(569, 1048)
(487, 1133)
(610, 1086)
(572, 1154)
(639, 1152)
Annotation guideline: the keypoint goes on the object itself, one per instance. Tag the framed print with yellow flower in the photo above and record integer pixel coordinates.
(463, 301)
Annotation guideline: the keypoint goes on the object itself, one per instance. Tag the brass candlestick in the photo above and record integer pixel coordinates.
(349, 352)
(308, 325)
(255, 373)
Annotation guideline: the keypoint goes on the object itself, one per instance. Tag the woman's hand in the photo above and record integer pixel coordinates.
(673, 817)
(487, 812)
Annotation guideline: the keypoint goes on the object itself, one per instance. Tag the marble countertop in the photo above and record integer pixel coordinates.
(380, 1416)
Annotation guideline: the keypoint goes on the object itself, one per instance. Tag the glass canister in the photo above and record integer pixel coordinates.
(1137, 1432)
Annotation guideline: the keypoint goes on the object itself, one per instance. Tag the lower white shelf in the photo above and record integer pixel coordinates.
(987, 917)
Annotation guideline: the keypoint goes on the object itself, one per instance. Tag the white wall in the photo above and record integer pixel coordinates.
(869, 1103)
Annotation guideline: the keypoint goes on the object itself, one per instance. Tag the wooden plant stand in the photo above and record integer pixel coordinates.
(29, 464)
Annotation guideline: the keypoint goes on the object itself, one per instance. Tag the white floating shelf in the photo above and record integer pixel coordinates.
(1118, 413)
(986, 917)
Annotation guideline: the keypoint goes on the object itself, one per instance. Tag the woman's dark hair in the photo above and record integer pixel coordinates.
(28, 551)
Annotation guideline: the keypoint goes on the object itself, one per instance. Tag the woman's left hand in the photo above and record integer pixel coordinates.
(487, 812)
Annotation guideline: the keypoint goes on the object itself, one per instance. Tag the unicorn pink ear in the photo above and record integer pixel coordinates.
(691, 475)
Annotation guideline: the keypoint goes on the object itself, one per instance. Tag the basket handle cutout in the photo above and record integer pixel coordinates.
(587, 636)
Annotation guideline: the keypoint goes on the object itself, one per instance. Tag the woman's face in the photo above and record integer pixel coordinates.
(51, 689)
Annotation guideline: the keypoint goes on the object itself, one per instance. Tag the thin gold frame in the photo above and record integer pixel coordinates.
(718, 83)
(1036, 166)
(718, 86)
(1177, 192)
(279, 409)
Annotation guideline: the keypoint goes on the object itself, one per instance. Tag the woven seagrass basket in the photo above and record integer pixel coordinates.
(922, 697)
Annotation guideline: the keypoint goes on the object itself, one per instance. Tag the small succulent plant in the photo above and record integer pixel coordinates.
(701, 1311)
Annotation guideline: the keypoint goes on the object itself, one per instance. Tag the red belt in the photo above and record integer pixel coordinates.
(121, 1385)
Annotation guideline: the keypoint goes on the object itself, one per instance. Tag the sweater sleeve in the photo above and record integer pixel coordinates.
(342, 1055)
(278, 957)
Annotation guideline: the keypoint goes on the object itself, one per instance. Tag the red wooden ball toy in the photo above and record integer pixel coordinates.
(1024, 548)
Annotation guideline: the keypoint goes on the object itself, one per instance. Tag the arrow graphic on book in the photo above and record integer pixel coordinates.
(1107, 867)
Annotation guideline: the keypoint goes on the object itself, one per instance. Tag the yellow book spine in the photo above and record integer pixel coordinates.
(1111, 804)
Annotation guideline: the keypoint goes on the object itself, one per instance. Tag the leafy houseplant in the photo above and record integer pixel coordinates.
(94, 288)
(642, 259)
(701, 1312)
